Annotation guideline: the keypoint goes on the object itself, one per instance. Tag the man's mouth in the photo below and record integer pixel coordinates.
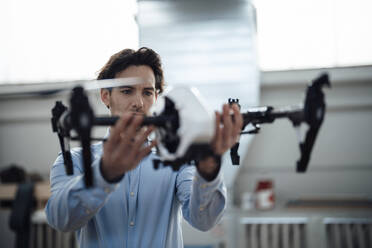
(137, 112)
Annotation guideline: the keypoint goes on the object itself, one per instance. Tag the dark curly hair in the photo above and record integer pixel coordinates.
(128, 57)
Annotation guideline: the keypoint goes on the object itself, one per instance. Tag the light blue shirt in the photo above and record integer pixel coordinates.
(142, 210)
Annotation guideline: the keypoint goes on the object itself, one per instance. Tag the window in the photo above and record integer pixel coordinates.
(50, 40)
(299, 34)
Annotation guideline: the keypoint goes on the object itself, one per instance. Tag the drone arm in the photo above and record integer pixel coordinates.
(267, 114)
(158, 121)
(261, 115)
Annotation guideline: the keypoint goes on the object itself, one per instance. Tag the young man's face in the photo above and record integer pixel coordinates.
(135, 98)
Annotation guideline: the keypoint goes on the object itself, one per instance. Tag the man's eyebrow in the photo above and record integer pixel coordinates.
(149, 88)
(131, 87)
(126, 86)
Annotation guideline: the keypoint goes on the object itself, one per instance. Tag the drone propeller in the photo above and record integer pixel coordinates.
(314, 111)
(52, 88)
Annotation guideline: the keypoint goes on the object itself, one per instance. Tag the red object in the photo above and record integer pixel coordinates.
(265, 198)
(264, 184)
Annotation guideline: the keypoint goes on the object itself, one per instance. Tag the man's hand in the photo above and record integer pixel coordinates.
(125, 148)
(227, 131)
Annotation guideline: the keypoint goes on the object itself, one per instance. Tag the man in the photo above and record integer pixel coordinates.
(131, 204)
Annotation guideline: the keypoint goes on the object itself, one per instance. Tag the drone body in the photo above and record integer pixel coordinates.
(196, 123)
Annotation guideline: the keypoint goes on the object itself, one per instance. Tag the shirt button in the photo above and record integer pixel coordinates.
(131, 223)
(204, 186)
(107, 190)
(131, 193)
(201, 208)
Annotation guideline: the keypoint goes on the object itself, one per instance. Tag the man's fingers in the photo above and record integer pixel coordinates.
(217, 141)
(140, 139)
(131, 144)
(238, 120)
(225, 137)
(131, 131)
(115, 131)
(217, 131)
(125, 146)
(228, 125)
(145, 151)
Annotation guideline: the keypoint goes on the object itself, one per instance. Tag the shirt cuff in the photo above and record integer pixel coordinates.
(207, 191)
(204, 184)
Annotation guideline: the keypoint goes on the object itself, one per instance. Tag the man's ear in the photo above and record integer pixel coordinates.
(105, 97)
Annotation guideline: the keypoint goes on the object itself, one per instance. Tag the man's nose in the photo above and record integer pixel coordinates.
(138, 101)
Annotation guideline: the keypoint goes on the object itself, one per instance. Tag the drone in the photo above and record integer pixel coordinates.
(184, 129)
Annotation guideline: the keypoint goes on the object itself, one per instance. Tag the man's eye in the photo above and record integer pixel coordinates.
(127, 92)
(148, 93)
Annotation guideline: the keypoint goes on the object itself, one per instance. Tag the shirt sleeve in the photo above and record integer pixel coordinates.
(71, 204)
(203, 203)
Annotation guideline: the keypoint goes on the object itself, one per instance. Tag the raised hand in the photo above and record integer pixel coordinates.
(125, 147)
(227, 131)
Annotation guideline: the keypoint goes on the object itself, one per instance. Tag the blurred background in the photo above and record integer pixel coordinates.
(263, 52)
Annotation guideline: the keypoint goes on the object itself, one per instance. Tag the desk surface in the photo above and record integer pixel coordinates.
(41, 192)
